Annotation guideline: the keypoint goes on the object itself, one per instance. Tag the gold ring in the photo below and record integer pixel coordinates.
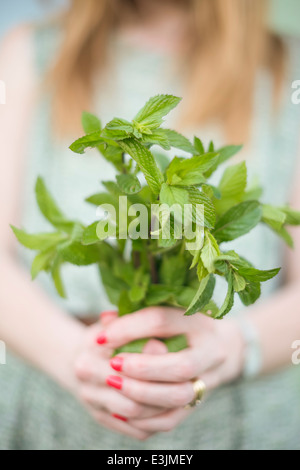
(200, 390)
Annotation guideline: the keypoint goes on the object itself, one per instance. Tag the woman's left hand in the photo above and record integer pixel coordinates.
(215, 355)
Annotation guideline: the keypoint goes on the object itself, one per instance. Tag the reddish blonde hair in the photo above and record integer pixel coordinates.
(228, 42)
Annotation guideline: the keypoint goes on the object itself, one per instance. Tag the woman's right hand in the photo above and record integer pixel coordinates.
(107, 406)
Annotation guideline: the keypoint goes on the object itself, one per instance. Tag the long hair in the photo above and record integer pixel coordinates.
(228, 43)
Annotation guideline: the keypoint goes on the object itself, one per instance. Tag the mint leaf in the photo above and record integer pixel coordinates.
(129, 184)
(178, 141)
(292, 216)
(198, 144)
(55, 273)
(117, 129)
(176, 344)
(239, 282)
(152, 114)
(135, 347)
(238, 221)
(90, 123)
(49, 209)
(251, 293)
(229, 300)
(41, 241)
(210, 252)
(42, 262)
(203, 296)
(225, 153)
(234, 181)
(88, 141)
(146, 162)
(255, 275)
(199, 198)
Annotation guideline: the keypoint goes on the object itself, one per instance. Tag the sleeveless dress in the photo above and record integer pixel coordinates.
(35, 413)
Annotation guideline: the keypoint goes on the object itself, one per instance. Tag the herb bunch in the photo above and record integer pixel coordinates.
(160, 270)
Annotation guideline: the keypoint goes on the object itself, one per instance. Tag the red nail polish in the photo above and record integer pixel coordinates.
(115, 382)
(101, 339)
(117, 363)
(121, 418)
(107, 313)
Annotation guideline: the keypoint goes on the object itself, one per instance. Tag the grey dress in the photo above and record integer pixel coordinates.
(35, 413)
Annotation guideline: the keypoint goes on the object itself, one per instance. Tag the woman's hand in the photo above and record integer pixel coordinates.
(215, 355)
(106, 404)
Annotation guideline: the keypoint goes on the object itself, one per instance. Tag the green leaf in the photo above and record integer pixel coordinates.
(197, 198)
(201, 270)
(172, 195)
(203, 296)
(152, 114)
(88, 141)
(234, 181)
(146, 162)
(159, 294)
(41, 241)
(239, 283)
(117, 129)
(90, 123)
(157, 137)
(101, 198)
(113, 285)
(229, 300)
(281, 232)
(225, 153)
(135, 347)
(198, 144)
(292, 216)
(49, 209)
(173, 270)
(78, 254)
(90, 236)
(55, 273)
(42, 262)
(189, 172)
(255, 275)
(178, 141)
(250, 294)
(129, 184)
(176, 343)
(210, 252)
(125, 305)
(273, 214)
(238, 221)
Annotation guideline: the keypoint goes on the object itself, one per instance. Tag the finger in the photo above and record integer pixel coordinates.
(155, 347)
(101, 398)
(89, 368)
(108, 316)
(157, 322)
(118, 425)
(163, 395)
(164, 422)
(173, 367)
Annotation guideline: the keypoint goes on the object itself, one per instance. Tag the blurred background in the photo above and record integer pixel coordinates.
(284, 14)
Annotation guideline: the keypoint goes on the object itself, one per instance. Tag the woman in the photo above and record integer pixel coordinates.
(111, 55)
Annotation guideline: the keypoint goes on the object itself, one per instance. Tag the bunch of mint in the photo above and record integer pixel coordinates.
(159, 269)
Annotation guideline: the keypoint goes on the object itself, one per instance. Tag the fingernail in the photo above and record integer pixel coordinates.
(121, 418)
(107, 313)
(117, 363)
(115, 382)
(101, 339)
